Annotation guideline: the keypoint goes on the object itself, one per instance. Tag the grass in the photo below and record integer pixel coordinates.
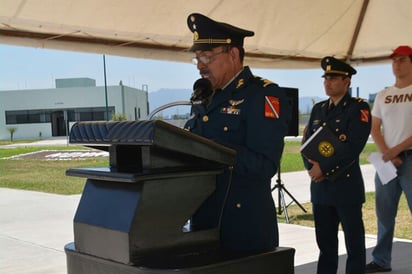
(292, 161)
(403, 228)
(43, 175)
(49, 176)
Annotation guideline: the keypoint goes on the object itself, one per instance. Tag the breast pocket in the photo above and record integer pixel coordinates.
(230, 128)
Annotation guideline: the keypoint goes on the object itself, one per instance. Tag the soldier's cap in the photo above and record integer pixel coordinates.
(208, 34)
(335, 67)
(402, 50)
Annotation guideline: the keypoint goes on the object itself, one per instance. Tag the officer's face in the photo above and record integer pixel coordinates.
(336, 86)
(217, 65)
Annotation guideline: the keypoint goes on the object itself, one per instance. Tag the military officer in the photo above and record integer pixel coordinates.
(339, 201)
(250, 115)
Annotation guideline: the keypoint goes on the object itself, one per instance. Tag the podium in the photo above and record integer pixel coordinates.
(133, 215)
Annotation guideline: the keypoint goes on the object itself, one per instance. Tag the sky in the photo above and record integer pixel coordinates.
(37, 68)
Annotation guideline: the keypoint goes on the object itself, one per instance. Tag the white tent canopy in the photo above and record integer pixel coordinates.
(288, 34)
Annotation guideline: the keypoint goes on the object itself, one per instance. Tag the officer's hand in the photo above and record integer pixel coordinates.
(315, 172)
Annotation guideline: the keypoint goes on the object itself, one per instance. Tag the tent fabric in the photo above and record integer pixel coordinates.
(288, 34)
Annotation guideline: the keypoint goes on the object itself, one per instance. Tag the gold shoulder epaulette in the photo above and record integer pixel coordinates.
(264, 82)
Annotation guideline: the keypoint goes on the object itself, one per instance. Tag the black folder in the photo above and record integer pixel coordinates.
(320, 146)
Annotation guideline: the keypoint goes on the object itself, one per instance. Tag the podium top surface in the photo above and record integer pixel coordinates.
(153, 133)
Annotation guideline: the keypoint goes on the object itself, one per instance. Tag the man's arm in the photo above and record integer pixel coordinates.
(393, 152)
(377, 135)
(389, 154)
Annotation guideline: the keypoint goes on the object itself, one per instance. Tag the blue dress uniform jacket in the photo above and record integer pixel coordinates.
(350, 120)
(240, 117)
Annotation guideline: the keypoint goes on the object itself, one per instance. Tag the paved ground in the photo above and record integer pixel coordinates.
(34, 227)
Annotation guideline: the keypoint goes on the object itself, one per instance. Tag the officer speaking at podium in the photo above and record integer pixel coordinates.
(246, 113)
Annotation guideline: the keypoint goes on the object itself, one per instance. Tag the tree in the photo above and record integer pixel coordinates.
(12, 130)
(119, 117)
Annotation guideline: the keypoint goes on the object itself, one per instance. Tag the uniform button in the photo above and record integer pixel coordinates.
(205, 118)
(324, 124)
(238, 205)
(225, 128)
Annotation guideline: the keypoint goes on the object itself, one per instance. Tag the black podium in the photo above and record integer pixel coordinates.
(133, 215)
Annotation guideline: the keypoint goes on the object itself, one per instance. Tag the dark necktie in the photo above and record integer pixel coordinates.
(331, 107)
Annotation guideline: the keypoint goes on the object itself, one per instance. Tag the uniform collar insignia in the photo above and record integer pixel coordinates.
(240, 83)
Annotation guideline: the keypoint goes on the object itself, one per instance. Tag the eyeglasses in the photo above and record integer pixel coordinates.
(205, 59)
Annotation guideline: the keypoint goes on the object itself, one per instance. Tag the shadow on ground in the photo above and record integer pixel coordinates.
(401, 260)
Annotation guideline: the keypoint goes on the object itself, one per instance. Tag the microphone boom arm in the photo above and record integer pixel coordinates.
(172, 104)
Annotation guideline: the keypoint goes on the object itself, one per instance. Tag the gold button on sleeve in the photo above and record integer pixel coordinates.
(205, 118)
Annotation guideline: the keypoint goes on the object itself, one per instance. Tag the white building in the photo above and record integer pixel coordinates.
(44, 113)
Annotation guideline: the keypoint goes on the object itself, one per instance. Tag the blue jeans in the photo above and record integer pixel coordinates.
(386, 202)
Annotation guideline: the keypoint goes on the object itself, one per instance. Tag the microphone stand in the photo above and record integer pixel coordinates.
(281, 198)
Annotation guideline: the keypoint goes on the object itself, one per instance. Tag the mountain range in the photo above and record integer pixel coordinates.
(163, 97)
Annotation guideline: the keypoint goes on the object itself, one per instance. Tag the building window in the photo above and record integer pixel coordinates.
(44, 116)
(92, 114)
(27, 116)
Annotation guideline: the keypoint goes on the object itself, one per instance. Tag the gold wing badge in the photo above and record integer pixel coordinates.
(232, 109)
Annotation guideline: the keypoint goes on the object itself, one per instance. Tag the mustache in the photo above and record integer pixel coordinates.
(204, 72)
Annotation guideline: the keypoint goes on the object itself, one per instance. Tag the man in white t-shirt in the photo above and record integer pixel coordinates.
(392, 133)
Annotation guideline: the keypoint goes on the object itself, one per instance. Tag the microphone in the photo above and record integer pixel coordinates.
(202, 89)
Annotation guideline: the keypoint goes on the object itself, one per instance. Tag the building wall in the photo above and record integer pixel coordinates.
(136, 104)
(123, 99)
